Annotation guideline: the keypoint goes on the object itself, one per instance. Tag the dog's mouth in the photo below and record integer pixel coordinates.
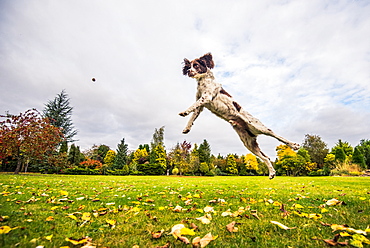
(191, 74)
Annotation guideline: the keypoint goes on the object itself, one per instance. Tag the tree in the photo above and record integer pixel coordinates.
(358, 158)
(100, 152)
(28, 136)
(347, 148)
(204, 169)
(194, 162)
(364, 147)
(293, 163)
(340, 155)
(158, 164)
(158, 137)
(59, 112)
(109, 158)
(63, 147)
(316, 148)
(75, 157)
(231, 164)
(204, 152)
(122, 155)
(250, 163)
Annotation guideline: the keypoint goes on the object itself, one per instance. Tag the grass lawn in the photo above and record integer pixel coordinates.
(124, 211)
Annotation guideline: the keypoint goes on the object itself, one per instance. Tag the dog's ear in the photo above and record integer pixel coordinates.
(208, 60)
(187, 66)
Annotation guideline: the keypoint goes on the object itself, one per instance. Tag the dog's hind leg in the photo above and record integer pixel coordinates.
(292, 145)
(250, 142)
(256, 126)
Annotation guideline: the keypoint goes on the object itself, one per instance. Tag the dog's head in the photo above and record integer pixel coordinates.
(198, 66)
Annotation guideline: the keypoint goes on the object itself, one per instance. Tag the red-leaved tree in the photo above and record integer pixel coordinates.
(27, 136)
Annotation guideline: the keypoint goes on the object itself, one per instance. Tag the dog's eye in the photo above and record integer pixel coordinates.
(196, 66)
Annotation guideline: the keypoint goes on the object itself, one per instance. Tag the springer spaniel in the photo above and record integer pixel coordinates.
(211, 95)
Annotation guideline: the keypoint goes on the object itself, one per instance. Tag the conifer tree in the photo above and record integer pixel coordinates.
(63, 147)
(59, 113)
(204, 152)
(121, 157)
(340, 154)
(358, 158)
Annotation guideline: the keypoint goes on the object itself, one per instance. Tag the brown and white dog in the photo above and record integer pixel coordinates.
(211, 95)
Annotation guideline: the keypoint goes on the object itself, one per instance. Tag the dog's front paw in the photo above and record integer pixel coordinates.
(183, 114)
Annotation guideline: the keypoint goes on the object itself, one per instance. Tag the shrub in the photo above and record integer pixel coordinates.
(175, 171)
(121, 172)
(81, 171)
(91, 164)
(346, 168)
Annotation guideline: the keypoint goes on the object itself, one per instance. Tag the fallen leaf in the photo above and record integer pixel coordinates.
(77, 241)
(86, 216)
(72, 216)
(281, 225)
(204, 219)
(63, 192)
(157, 235)
(112, 223)
(333, 202)
(208, 209)
(202, 242)
(167, 245)
(176, 230)
(50, 218)
(231, 227)
(334, 241)
(5, 229)
(184, 239)
(49, 237)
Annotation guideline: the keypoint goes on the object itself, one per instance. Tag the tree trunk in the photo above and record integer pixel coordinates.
(18, 168)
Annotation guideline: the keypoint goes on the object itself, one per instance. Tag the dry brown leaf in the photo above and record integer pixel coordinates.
(184, 239)
(203, 242)
(157, 235)
(167, 245)
(334, 241)
(231, 227)
(193, 226)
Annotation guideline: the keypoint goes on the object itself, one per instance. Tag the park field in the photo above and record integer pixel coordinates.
(158, 211)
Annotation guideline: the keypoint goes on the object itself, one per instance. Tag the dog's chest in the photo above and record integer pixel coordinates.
(219, 104)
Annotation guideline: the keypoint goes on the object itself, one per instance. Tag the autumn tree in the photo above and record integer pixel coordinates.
(179, 157)
(231, 165)
(59, 113)
(293, 163)
(250, 164)
(316, 148)
(28, 136)
(109, 158)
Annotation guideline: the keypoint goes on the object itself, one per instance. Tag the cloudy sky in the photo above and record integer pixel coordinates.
(301, 67)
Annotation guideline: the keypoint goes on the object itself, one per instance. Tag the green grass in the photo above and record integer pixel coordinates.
(142, 205)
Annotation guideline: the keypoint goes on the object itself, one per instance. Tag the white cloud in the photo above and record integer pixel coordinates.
(299, 66)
